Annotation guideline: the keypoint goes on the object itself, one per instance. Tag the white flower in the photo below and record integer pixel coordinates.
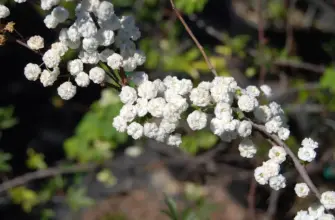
(48, 4)
(328, 199)
(128, 95)
(261, 175)
(51, 58)
(174, 140)
(197, 120)
(284, 133)
(60, 48)
(4, 11)
(142, 107)
(73, 33)
(161, 135)
(87, 28)
(326, 217)
(309, 143)
(244, 128)
(48, 78)
(303, 215)
(135, 130)
(277, 182)
(171, 112)
(105, 37)
(156, 107)
(150, 130)
(223, 111)
(60, 13)
(220, 93)
(140, 57)
(306, 154)
(262, 113)
(20, 1)
(266, 90)
(217, 126)
(272, 167)
(129, 64)
(276, 109)
(105, 10)
(147, 90)
(247, 148)
(36, 42)
(247, 103)
(133, 151)
(128, 112)
(90, 44)
(316, 211)
(103, 55)
(75, 66)
(160, 86)
(301, 189)
(66, 90)
(274, 125)
(278, 154)
(97, 75)
(168, 126)
(32, 71)
(252, 91)
(115, 61)
(200, 97)
(120, 124)
(82, 79)
(50, 21)
(89, 57)
(205, 85)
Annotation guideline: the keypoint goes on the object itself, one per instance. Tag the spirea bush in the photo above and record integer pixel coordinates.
(104, 44)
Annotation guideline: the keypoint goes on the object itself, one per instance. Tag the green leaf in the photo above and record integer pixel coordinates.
(172, 211)
(25, 197)
(198, 140)
(4, 158)
(76, 198)
(328, 78)
(35, 160)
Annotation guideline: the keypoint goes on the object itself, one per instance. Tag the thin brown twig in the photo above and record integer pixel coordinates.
(301, 170)
(189, 31)
(261, 39)
(41, 174)
(26, 46)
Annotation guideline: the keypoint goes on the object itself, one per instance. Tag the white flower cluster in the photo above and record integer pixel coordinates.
(268, 173)
(97, 34)
(315, 212)
(165, 103)
(307, 151)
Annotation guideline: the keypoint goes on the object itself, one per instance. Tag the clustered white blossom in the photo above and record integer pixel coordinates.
(161, 105)
(98, 36)
(314, 212)
(157, 109)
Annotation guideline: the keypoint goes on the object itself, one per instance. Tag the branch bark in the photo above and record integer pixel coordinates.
(41, 174)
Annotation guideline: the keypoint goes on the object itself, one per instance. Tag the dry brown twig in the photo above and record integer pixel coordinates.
(189, 31)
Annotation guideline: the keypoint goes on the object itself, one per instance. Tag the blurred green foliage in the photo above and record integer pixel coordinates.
(95, 136)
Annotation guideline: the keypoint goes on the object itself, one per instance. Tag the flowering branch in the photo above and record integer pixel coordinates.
(189, 31)
(295, 160)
